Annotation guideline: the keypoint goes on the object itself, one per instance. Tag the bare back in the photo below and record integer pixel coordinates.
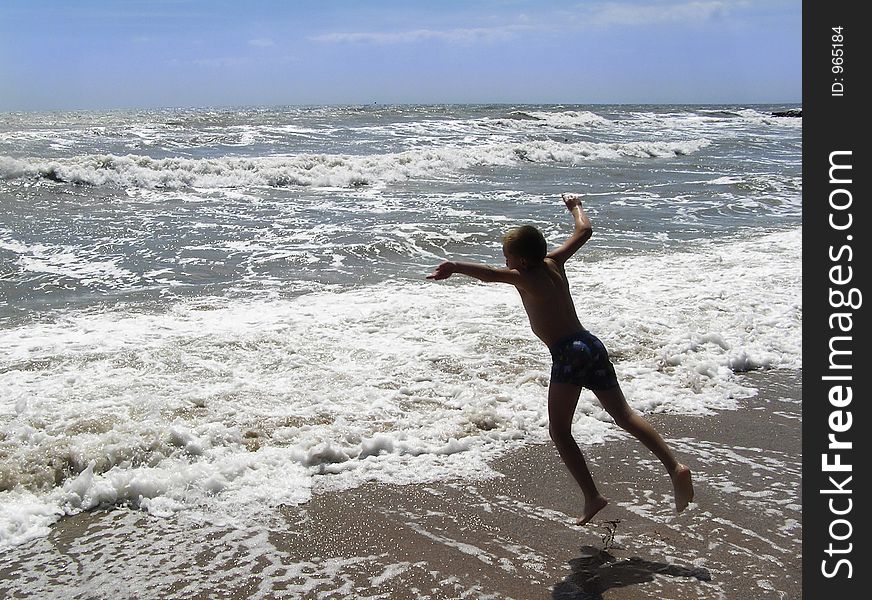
(544, 291)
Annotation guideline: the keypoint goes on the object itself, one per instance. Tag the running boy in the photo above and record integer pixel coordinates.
(579, 358)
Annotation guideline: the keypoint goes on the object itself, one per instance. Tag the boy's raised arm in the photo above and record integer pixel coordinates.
(582, 233)
(476, 271)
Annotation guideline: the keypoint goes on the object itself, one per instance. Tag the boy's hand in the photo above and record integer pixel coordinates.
(571, 200)
(443, 271)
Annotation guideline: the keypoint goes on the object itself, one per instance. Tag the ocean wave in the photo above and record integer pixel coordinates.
(712, 121)
(520, 115)
(570, 118)
(326, 170)
(566, 120)
(206, 405)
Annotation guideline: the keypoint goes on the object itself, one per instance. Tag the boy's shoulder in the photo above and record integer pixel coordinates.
(554, 267)
(540, 276)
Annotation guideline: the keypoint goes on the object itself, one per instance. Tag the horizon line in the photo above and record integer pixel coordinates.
(383, 104)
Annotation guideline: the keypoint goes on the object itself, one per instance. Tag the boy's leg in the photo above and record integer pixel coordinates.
(562, 400)
(629, 420)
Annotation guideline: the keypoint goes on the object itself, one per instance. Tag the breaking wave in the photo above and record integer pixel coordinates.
(326, 170)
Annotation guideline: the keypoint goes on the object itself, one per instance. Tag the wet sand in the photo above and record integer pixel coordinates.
(512, 536)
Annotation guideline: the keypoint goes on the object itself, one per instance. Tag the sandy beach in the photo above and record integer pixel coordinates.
(506, 537)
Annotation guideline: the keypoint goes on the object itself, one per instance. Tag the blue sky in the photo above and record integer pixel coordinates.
(180, 53)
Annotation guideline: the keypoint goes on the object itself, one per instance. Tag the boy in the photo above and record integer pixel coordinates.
(579, 358)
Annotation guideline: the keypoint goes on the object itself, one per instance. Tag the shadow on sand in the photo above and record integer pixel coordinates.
(596, 571)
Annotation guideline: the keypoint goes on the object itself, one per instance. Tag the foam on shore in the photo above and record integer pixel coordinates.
(218, 405)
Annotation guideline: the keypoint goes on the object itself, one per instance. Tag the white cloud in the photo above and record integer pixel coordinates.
(209, 63)
(649, 12)
(460, 35)
(261, 43)
(614, 13)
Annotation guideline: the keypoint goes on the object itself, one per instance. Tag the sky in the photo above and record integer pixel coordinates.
(89, 54)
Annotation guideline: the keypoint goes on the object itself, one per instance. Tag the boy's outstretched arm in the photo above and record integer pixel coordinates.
(476, 271)
(582, 233)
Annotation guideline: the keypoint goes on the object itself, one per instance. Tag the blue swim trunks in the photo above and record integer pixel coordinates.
(582, 360)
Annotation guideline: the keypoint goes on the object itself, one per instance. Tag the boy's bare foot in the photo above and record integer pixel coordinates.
(592, 508)
(683, 487)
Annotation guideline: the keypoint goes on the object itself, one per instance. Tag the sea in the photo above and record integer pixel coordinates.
(208, 314)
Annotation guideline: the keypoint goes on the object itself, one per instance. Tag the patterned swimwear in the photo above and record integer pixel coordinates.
(582, 360)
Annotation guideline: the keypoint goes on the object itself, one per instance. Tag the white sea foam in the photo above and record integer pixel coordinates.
(68, 261)
(324, 170)
(227, 407)
(723, 121)
(571, 118)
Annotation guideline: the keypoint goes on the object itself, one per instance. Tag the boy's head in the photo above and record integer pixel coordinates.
(524, 247)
